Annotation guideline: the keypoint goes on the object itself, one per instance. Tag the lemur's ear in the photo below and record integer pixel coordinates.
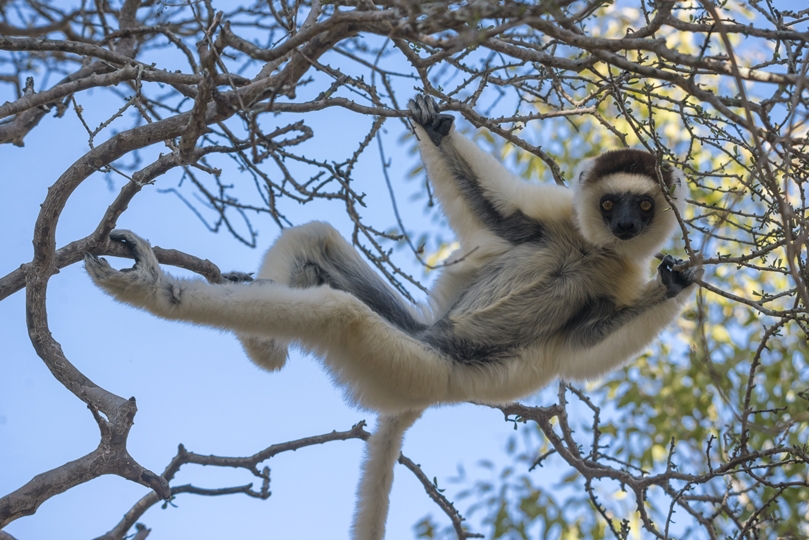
(581, 172)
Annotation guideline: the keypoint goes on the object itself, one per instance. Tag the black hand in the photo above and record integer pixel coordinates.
(676, 280)
(425, 113)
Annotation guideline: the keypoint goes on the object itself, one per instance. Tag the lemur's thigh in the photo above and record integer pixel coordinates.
(286, 262)
(315, 254)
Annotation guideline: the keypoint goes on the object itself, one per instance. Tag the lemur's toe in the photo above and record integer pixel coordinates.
(95, 265)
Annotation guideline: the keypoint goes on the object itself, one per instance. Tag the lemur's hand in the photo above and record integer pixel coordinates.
(143, 284)
(675, 281)
(425, 113)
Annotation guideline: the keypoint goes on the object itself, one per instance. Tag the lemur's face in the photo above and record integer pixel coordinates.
(627, 214)
(622, 201)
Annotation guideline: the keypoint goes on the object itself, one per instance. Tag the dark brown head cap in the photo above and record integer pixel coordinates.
(628, 161)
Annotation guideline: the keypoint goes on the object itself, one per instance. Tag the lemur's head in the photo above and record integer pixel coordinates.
(619, 202)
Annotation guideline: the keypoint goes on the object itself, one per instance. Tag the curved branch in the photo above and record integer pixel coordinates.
(110, 457)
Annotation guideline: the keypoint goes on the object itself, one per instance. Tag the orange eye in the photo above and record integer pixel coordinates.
(645, 206)
(607, 206)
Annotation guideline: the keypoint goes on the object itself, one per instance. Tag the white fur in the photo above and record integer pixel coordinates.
(373, 492)
(625, 343)
(383, 368)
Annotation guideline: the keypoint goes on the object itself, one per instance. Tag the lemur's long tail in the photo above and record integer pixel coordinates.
(373, 492)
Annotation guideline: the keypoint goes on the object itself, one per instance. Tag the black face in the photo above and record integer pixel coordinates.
(627, 214)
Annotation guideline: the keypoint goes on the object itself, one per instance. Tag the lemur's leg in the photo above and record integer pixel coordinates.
(601, 337)
(266, 353)
(357, 324)
(312, 255)
(476, 191)
(315, 254)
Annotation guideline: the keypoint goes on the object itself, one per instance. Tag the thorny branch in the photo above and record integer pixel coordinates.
(719, 91)
(251, 464)
(759, 468)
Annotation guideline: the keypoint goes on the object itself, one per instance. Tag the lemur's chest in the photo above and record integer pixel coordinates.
(527, 293)
(599, 271)
(559, 270)
(580, 269)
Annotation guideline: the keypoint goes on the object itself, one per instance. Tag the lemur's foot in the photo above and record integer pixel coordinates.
(136, 285)
(425, 113)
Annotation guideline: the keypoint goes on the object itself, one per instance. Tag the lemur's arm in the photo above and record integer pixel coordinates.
(601, 337)
(476, 192)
